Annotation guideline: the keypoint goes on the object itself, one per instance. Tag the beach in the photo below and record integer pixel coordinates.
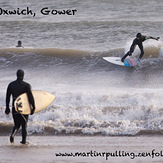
(88, 149)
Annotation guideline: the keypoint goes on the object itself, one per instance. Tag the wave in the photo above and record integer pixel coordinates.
(116, 113)
(86, 63)
(151, 49)
(77, 67)
(82, 131)
(87, 126)
(42, 51)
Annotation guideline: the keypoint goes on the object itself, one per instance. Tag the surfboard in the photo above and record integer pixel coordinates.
(128, 62)
(42, 100)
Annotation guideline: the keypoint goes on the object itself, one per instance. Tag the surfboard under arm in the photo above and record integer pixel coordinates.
(42, 100)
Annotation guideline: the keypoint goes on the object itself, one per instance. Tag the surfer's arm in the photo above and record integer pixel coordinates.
(8, 95)
(31, 99)
(150, 37)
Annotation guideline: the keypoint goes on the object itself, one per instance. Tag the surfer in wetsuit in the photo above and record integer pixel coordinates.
(138, 41)
(15, 89)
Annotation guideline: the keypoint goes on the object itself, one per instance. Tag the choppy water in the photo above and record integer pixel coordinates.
(63, 54)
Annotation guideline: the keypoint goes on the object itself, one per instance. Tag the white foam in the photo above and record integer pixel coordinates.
(115, 114)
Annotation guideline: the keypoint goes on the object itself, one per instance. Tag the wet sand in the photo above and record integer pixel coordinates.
(88, 149)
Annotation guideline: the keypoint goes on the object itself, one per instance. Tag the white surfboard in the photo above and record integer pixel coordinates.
(114, 60)
(128, 62)
(42, 100)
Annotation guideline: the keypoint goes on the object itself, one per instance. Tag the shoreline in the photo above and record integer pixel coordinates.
(72, 149)
(52, 133)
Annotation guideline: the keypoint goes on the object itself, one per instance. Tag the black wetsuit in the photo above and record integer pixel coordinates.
(138, 42)
(15, 89)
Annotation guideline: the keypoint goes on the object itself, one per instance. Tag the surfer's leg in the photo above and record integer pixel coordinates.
(127, 54)
(142, 51)
(13, 132)
(24, 128)
(141, 54)
(17, 123)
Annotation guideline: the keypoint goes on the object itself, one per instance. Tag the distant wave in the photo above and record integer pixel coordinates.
(150, 49)
(36, 57)
(42, 51)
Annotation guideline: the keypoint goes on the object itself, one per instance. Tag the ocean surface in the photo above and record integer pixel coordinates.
(63, 53)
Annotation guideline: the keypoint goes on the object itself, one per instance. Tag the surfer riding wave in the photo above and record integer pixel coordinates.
(138, 41)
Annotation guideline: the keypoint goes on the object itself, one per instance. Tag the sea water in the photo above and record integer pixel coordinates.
(64, 42)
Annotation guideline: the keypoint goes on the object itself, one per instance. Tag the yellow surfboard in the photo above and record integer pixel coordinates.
(42, 100)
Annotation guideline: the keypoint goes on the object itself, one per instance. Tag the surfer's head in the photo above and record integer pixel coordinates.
(20, 74)
(138, 35)
(19, 44)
